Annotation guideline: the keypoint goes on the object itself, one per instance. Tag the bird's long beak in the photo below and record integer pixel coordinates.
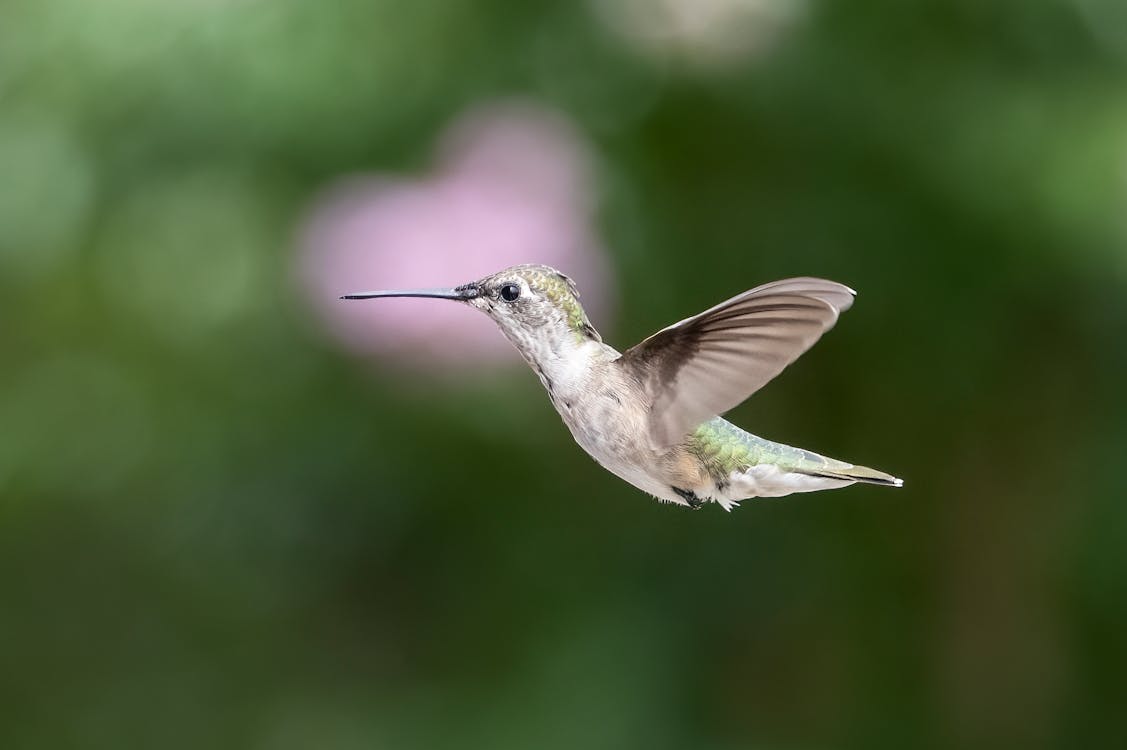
(462, 293)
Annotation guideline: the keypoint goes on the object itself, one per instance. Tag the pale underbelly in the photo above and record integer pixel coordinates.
(618, 443)
(761, 480)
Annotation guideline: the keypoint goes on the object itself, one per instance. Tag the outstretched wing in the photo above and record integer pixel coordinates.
(705, 365)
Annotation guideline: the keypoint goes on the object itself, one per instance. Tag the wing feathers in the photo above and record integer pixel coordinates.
(702, 366)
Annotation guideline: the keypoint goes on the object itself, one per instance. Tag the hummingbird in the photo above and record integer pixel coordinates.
(651, 415)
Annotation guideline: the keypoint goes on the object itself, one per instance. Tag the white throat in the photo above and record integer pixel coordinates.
(561, 358)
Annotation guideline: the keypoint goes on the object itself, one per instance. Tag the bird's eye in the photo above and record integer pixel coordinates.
(510, 292)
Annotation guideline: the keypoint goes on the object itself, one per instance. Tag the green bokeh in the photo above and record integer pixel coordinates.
(216, 530)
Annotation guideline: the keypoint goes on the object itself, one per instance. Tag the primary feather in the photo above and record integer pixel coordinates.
(703, 366)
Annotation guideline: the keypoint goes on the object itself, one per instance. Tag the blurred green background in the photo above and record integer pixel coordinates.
(218, 529)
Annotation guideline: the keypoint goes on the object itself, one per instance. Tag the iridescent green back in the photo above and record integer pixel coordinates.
(724, 448)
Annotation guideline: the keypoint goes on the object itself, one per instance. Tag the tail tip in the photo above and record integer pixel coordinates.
(873, 476)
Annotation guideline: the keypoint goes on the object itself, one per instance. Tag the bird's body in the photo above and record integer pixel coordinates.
(651, 415)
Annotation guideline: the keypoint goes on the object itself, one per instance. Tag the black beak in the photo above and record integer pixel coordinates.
(461, 293)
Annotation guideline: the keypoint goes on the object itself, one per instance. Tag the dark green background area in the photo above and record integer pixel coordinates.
(216, 530)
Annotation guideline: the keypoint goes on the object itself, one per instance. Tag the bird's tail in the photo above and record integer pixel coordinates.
(853, 473)
(727, 440)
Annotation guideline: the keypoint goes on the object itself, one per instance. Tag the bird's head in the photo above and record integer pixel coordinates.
(529, 303)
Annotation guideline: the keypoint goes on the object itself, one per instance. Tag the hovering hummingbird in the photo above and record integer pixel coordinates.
(650, 415)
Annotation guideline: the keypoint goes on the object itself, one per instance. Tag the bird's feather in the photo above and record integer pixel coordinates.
(703, 366)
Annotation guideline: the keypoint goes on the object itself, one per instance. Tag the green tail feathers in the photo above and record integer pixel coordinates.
(725, 448)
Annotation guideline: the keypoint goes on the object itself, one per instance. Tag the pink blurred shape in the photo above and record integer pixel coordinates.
(513, 184)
